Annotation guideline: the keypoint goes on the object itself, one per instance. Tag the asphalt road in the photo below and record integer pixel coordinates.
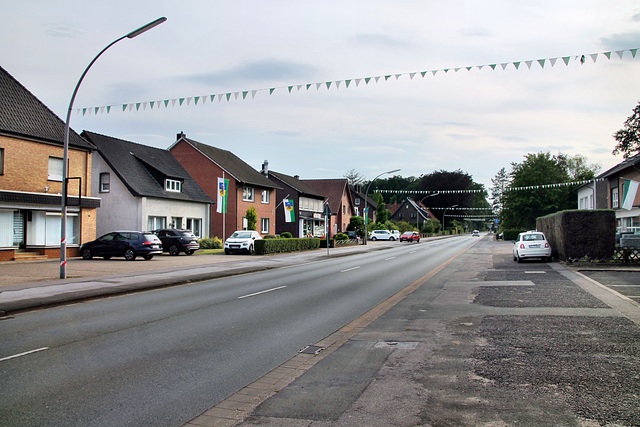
(162, 357)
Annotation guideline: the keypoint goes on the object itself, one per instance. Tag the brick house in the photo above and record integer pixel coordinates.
(413, 212)
(339, 199)
(145, 188)
(31, 152)
(359, 201)
(247, 186)
(308, 205)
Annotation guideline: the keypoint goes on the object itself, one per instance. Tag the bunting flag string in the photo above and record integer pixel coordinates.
(425, 191)
(542, 63)
(472, 216)
(461, 209)
(561, 184)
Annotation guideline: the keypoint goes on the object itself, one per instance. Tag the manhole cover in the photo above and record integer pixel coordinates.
(311, 349)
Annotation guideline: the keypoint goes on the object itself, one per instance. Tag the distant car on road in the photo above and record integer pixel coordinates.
(382, 235)
(128, 244)
(175, 241)
(410, 236)
(475, 233)
(241, 241)
(531, 244)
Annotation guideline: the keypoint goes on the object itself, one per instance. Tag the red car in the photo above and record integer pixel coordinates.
(410, 236)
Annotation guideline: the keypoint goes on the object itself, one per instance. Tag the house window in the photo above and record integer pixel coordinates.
(156, 222)
(614, 198)
(358, 202)
(176, 222)
(55, 169)
(195, 225)
(264, 222)
(173, 185)
(245, 223)
(105, 180)
(265, 196)
(1, 161)
(247, 194)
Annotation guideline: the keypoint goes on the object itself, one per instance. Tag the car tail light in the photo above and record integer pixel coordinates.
(546, 245)
(147, 243)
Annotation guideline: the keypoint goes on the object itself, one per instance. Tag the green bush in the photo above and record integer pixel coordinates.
(269, 236)
(275, 246)
(341, 236)
(286, 235)
(211, 243)
(512, 233)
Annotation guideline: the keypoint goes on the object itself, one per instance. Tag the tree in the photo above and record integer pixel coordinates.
(629, 136)
(356, 223)
(500, 183)
(354, 177)
(252, 218)
(382, 213)
(522, 207)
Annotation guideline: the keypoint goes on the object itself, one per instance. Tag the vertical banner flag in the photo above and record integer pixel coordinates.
(289, 214)
(223, 186)
(629, 193)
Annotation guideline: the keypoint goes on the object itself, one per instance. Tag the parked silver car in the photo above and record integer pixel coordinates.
(382, 235)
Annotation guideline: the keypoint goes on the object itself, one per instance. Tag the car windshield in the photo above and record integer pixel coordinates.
(528, 237)
(241, 235)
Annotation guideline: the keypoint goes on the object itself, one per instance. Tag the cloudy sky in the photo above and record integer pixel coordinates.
(476, 120)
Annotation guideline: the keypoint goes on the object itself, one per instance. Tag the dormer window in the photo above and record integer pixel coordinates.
(173, 185)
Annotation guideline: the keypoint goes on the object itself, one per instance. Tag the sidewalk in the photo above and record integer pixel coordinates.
(482, 341)
(31, 284)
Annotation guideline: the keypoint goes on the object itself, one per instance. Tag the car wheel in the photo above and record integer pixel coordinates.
(189, 252)
(226, 252)
(519, 259)
(418, 241)
(86, 254)
(129, 254)
(250, 249)
(173, 250)
(148, 257)
(392, 239)
(374, 238)
(515, 258)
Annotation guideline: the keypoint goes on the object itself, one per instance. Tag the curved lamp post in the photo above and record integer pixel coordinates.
(65, 178)
(444, 213)
(365, 201)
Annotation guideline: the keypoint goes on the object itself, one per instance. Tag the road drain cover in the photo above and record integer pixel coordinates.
(311, 349)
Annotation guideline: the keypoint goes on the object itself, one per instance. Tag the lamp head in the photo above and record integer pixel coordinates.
(147, 27)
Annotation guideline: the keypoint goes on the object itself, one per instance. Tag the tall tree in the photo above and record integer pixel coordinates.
(354, 177)
(500, 183)
(628, 137)
(448, 181)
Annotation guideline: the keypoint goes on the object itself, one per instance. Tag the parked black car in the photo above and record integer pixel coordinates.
(128, 244)
(175, 241)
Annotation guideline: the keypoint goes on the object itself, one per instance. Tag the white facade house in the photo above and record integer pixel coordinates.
(145, 188)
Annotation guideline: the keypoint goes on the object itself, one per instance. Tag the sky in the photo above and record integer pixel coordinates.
(477, 120)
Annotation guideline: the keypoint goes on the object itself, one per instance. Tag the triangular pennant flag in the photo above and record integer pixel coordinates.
(253, 93)
(84, 111)
(566, 60)
(318, 86)
(493, 66)
(220, 96)
(446, 70)
(366, 80)
(196, 99)
(412, 75)
(108, 109)
(244, 94)
(553, 61)
(620, 53)
(541, 62)
(517, 65)
(124, 107)
(299, 87)
(236, 94)
(468, 68)
(96, 112)
(358, 82)
(137, 106)
(633, 52)
(480, 67)
(189, 100)
(271, 90)
(398, 76)
(338, 84)
(434, 72)
(377, 79)
(290, 87)
(166, 103)
(347, 83)
(504, 65)
(594, 56)
(528, 64)
(181, 101)
(212, 97)
(228, 96)
(386, 77)
(308, 85)
(152, 103)
(607, 54)
(144, 105)
(424, 73)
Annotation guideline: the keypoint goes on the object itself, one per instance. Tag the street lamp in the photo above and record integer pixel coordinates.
(63, 224)
(418, 208)
(443, 214)
(365, 201)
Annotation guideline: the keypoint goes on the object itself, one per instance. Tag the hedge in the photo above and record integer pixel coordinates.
(511, 234)
(276, 246)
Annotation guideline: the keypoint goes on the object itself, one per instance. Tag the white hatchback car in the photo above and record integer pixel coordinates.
(532, 244)
(241, 241)
(381, 235)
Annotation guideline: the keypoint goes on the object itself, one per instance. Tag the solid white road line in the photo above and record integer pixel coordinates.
(387, 259)
(23, 354)
(262, 292)
(349, 269)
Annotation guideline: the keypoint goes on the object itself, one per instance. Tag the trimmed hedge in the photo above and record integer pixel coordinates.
(575, 234)
(511, 234)
(277, 246)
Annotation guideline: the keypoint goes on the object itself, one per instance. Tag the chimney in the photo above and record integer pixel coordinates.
(296, 176)
(180, 136)
(265, 168)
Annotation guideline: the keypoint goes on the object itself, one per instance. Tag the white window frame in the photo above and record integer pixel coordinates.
(614, 198)
(265, 198)
(105, 184)
(55, 169)
(195, 225)
(264, 225)
(248, 194)
(156, 222)
(173, 185)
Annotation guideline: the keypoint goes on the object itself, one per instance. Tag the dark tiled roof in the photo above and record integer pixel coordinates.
(23, 115)
(621, 166)
(297, 184)
(331, 188)
(143, 169)
(232, 164)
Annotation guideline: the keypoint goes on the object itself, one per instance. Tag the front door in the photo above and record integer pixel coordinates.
(19, 238)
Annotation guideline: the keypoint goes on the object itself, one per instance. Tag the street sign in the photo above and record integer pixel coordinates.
(327, 210)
